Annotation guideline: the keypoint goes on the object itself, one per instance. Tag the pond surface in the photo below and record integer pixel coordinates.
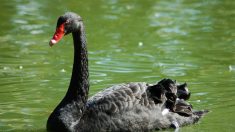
(190, 41)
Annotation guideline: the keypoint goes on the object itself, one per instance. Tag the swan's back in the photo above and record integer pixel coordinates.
(127, 107)
(119, 108)
(120, 98)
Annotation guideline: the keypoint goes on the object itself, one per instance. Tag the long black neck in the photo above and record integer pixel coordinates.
(73, 105)
(79, 84)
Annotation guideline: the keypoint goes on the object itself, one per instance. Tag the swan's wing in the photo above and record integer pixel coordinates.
(120, 98)
(131, 107)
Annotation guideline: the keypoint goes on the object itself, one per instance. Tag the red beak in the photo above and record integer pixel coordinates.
(59, 33)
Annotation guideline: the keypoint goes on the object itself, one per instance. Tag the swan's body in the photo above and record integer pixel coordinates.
(125, 107)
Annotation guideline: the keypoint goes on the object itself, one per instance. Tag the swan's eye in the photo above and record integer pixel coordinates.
(67, 21)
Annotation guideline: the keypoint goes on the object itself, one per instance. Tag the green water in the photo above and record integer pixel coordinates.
(188, 40)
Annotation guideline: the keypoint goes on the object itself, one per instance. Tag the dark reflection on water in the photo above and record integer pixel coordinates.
(190, 41)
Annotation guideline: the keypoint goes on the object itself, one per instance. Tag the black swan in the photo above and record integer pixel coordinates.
(135, 106)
